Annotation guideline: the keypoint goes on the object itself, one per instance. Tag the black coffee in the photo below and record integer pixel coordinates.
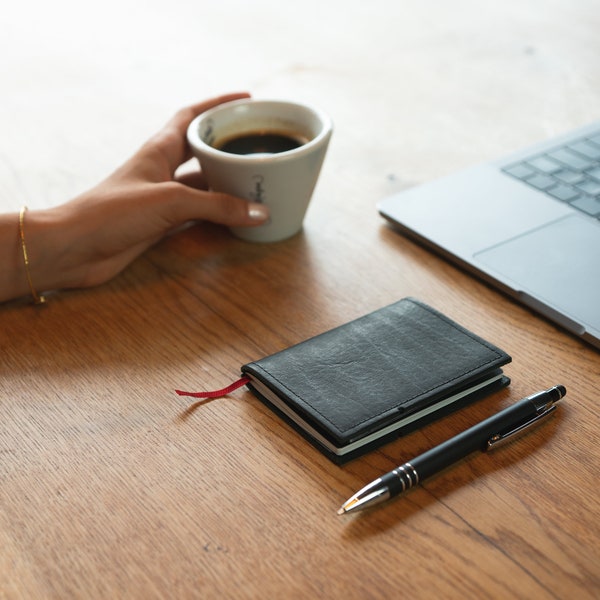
(266, 142)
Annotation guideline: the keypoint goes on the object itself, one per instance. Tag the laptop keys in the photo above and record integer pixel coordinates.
(545, 164)
(589, 205)
(568, 176)
(571, 159)
(565, 193)
(587, 149)
(570, 173)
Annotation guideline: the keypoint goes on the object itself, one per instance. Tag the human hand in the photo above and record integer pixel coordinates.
(89, 240)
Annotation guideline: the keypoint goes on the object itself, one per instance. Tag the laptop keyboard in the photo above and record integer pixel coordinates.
(569, 173)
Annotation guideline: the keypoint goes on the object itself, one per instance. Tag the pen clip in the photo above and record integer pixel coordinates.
(499, 439)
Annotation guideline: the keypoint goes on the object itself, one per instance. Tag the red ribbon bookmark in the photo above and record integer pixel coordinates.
(217, 393)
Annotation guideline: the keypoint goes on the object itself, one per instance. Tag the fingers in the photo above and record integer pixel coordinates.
(169, 146)
(186, 115)
(193, 179)
(189, 204)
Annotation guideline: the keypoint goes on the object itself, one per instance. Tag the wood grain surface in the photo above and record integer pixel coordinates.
(111, 486)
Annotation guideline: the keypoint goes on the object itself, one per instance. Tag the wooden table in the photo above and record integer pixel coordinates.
(114, 487)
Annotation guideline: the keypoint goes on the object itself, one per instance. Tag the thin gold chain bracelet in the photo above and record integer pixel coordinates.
(37, 298)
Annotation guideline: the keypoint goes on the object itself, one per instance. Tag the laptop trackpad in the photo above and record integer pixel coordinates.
(558, 261)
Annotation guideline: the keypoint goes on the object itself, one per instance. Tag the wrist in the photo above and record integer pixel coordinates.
(41, 237)
(13, 281)
(37, 298)
(48, 236)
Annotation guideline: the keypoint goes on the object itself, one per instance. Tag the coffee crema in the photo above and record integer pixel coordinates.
(260, 142)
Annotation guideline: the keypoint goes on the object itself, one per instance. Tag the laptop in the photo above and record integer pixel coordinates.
(528, 224)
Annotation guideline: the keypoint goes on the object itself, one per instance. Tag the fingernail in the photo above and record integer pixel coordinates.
(258, 212)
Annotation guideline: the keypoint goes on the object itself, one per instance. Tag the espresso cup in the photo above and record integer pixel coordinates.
(267, 151)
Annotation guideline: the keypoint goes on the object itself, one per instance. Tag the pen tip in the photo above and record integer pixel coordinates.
(341, 510)
(562, 390)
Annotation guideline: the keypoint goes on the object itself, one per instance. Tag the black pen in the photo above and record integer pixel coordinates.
(483, 436)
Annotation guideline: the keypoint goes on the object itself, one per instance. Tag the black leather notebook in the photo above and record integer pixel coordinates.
(353, 388)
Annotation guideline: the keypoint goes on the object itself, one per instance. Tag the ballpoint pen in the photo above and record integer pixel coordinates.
(483, 436)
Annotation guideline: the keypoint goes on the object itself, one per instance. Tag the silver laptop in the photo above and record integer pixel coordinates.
(528, 224)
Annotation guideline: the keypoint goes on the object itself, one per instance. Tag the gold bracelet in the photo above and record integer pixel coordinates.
(37, 298)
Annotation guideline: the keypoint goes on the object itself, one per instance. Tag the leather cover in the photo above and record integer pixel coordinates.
(363, 376)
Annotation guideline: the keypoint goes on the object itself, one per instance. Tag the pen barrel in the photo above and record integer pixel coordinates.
(467, 442)
(501, 425)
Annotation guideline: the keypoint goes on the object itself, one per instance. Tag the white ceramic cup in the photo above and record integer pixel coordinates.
(283, 180)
